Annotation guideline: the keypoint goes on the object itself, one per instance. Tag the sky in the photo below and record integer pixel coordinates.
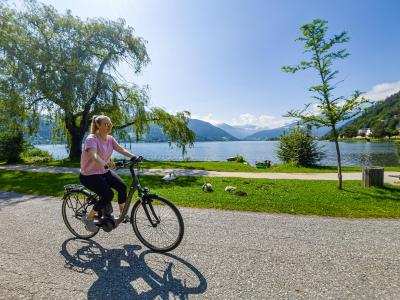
(221, 59)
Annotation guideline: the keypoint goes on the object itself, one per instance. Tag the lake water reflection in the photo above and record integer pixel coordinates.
(382, 154)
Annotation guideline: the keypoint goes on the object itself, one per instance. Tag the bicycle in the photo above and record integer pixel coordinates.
(151, 216)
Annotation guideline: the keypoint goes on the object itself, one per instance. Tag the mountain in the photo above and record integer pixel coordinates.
(204, 132)
(384, 113)
(268, 134)
(238, 131)
(208, 132)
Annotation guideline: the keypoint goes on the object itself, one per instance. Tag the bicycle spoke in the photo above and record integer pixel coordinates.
(168, 231)
(75, 205)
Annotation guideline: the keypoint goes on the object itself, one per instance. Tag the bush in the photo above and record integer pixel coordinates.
(239, 158)
(299, 148)
(35, 155)
(11, 146)
(349, 132)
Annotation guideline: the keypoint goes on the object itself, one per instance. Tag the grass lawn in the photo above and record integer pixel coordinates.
(263, 195)
(224, 166)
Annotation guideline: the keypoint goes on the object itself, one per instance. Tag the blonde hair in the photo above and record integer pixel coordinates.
(96, 122)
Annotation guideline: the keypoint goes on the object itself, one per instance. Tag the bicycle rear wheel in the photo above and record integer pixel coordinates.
(157, 223)
(75, 205)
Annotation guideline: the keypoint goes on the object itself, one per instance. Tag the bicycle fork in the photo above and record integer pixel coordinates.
(153, 218)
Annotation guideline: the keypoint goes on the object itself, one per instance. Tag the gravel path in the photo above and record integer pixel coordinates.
(388, 176)
(224, 255)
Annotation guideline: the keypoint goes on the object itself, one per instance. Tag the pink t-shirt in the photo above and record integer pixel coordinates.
(104, 150)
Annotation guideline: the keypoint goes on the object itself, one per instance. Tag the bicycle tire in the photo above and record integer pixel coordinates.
(77, 214)
(161, 206)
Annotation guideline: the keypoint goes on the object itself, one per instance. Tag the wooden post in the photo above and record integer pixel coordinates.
(372, 176)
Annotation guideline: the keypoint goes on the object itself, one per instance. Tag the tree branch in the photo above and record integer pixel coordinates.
(135, 122)
(96, 91)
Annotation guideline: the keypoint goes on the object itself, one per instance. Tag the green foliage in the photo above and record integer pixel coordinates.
(386, 112)
(349, 132)
(11, 146)
(299, 148)
(319, 47)
(32, 155)
(67, 67)
(378, 130)
(392, 132)
(239, 158)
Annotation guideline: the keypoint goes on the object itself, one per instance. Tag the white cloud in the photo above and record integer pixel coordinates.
(208, 118)
(262, 121)
(382, 91)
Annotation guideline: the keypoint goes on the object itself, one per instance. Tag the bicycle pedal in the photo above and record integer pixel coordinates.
(126, 220)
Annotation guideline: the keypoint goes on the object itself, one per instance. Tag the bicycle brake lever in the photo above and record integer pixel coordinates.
(119, 164)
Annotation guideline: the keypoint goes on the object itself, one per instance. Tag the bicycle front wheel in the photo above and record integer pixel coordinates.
(157, 223)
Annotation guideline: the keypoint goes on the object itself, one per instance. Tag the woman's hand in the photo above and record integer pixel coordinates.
(111, 164)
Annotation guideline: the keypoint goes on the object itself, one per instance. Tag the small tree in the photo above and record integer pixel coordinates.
(299, 148)
(11, 122)
(11, 146)
(332, 109)
(350, 131)
(378, 130)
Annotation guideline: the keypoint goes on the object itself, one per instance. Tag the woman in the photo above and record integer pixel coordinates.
(95, 168)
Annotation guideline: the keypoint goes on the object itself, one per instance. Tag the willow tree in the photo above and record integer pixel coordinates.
(69, 70)
(331, 109)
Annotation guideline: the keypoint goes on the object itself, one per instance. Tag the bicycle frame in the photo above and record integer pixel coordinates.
(143, 195)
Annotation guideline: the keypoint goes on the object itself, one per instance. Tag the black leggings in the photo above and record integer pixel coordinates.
(102, 184)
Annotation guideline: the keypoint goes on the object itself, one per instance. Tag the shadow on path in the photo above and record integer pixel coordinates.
(123, 274)
(12, 198)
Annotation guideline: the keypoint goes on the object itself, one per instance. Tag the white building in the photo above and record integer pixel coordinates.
(366, 131)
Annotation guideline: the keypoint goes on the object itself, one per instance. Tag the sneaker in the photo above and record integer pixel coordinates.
(125, 220)
(89, 224)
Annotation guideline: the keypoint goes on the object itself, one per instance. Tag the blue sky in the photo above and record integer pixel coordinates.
(222, 60)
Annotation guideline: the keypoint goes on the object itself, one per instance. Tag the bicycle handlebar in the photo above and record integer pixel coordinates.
(120, 163)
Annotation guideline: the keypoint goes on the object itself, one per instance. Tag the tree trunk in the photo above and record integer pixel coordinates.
(339, 161)
(76, 146)
(76, 133)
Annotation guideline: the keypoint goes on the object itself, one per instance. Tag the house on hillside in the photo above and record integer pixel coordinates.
(365, 131)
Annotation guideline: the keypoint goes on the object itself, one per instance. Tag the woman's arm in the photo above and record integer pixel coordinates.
(93, 155)
(121, 150)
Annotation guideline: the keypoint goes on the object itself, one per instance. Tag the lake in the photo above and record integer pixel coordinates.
(353, 153)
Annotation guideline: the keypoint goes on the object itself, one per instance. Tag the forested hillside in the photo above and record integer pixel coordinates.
(382, 118)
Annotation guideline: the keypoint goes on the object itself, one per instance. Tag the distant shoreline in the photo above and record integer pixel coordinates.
(271, 140)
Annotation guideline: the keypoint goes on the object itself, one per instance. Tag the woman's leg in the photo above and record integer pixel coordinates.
(99, 185)
(117, 183)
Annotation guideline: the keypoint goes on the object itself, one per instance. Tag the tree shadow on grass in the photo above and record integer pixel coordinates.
(384, 193)
(158, 182)
(123, 273)
(387, 192)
